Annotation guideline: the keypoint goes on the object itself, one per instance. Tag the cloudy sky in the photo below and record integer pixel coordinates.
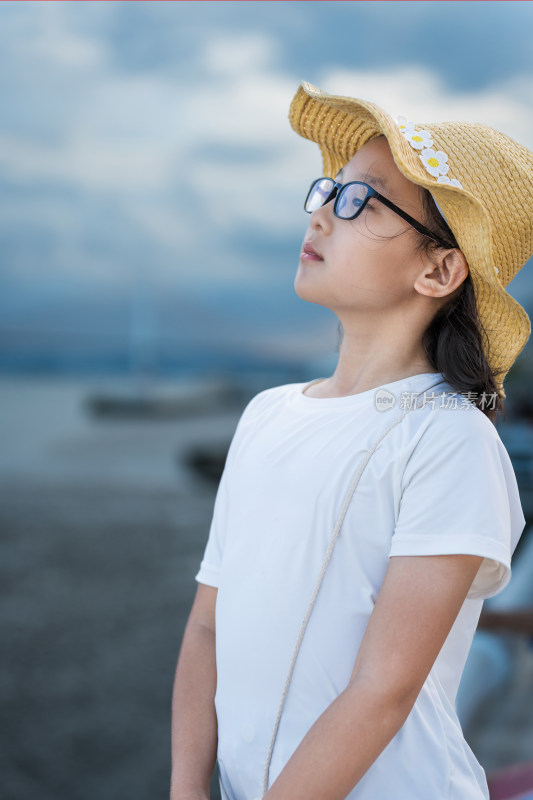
(148, 171)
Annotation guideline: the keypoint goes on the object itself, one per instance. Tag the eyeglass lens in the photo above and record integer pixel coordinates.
(349, 202)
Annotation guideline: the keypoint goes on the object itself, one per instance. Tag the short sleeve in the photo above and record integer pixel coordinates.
(459, 495)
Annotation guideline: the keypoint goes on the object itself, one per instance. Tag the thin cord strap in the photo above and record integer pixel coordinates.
(325, 562)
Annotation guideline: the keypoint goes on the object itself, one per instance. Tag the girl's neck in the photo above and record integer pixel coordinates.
(341, 385)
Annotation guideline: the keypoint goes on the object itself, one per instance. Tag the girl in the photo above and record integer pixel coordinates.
(338, 653)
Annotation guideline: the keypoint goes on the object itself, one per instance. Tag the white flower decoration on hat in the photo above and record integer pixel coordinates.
(418, 139)
(404, 124)
(435, 162)
(445, 179)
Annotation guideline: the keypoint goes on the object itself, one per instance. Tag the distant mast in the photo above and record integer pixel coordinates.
(142, 333)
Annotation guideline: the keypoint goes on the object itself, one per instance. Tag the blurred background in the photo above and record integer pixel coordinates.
(151, 217)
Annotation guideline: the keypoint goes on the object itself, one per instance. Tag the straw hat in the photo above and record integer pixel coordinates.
(480, 179)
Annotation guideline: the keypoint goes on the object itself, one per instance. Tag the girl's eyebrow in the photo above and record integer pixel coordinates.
(373, 180)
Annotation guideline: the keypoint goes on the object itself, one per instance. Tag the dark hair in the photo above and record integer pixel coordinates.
(453, 340)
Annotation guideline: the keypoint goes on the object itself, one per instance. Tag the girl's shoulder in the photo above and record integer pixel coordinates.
(261, 403)
(453, 416)
(267, 397)
(458, 437)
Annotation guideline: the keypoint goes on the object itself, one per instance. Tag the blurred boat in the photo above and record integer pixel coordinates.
(206, 461)
(193, 397)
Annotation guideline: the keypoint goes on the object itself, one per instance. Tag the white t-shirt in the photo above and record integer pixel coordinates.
(441, 481)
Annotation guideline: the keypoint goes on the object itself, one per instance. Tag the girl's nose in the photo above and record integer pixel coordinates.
(322, 217)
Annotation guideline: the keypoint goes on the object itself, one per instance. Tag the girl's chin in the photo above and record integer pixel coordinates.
(306, 268)
(305, 291)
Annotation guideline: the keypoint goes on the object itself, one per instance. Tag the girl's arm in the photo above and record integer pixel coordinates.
(194, 720)
(416, 607)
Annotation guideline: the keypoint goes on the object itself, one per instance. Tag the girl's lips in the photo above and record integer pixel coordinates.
(309, 253)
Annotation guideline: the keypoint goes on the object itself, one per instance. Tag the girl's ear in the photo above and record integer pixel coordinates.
(443, 274)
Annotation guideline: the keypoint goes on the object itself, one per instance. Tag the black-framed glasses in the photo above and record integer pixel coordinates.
(351, 198)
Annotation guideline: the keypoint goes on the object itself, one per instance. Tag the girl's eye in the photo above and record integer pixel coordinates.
(356, 202)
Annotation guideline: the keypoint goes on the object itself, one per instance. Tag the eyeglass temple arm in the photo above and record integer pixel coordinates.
(413, 222)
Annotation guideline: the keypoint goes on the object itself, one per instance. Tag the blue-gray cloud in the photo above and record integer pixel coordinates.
(147, 145)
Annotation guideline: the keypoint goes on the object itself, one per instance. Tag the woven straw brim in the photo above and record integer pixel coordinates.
(342, 125)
